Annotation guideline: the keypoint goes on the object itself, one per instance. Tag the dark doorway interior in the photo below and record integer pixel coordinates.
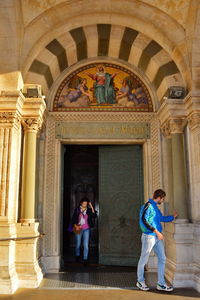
(111, 177)
(80, 180)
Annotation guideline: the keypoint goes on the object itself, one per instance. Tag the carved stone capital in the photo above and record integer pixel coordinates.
(165, 128)
(173, 126)
(32, 124)
(10, 118)
(177, 125)
(194, 121)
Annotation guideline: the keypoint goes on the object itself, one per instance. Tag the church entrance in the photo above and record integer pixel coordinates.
(111, 177)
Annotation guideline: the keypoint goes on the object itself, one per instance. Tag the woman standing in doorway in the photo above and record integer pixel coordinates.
(83, 219)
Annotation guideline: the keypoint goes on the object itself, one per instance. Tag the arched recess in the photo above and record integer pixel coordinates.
(113, 42)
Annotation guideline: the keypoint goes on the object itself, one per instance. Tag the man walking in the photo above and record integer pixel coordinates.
(152, 238)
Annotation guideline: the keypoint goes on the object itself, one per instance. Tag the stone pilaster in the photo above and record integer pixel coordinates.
(11, 104)
(28, 271)
(180, 195)
(179, 234)
(194, 157)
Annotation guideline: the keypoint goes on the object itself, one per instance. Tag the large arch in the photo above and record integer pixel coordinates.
(152, 46)
(123, 43)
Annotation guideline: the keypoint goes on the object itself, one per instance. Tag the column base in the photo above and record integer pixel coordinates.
(196, 247)
(29, 275)
(27, 221)
(9, 286)
(8, 275)
(179, 252)
(28, 270)
(50, 264)
(197, 282)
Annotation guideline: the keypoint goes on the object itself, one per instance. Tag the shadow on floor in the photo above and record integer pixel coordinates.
(96, 277)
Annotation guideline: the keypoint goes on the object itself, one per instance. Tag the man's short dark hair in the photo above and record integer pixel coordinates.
(159, 193)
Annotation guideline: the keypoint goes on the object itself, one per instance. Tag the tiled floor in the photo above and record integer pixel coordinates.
(98, 283)
(96, 277)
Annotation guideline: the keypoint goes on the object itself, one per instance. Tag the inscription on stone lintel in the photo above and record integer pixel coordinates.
(98, 130)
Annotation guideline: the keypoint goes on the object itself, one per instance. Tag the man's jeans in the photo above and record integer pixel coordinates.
(150, 242)
(86, 235)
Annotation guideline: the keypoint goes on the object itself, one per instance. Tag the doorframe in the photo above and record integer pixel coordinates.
(52, 196)
(54, 263)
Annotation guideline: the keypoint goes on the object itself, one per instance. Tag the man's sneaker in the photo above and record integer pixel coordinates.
(142, 286)
(164, 287)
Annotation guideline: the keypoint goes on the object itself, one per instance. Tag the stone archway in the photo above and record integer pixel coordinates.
(52, 185)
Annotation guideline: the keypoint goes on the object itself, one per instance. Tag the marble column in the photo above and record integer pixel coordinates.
(170, 174)
(168, 167)
(180, 195)
(31, 127)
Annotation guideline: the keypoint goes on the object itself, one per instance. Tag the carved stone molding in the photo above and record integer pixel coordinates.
(102, 117)
(166, 130)
(11, 118)
(32, 124)
(194, 121)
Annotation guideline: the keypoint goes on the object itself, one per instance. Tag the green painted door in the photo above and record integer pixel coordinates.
(120, 197)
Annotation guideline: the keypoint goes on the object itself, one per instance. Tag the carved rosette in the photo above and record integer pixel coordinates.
(194, 121)
(10, 118)
(32, 124)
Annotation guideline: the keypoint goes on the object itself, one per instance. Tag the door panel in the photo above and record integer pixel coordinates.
(120, 197)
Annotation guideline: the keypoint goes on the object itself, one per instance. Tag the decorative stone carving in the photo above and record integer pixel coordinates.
(177, 125)
(194, 121)
(173, 126)
(32, 124)
(166, 130)
(12, 118)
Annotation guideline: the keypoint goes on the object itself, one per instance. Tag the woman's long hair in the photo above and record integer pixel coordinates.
(83, 200)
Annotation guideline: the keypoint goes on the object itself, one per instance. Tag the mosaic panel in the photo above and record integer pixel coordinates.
(102, 87)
